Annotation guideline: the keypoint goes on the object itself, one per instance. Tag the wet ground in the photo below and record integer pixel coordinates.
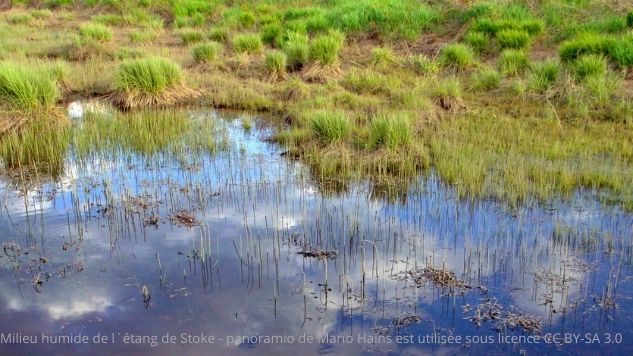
(242, 252)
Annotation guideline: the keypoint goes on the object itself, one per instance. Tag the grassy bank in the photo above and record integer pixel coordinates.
(505, 99)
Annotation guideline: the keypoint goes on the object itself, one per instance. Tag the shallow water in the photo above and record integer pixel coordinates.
(97, 260)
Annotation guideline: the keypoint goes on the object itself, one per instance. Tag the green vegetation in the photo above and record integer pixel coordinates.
(206, 51)
(248, 43)
(329, 126)
(486, 79)
(324, 49)
(456, 55)
(590, 65)
(389, 131)
(544, 74)
(95, 31)
(149, 82)
(191, 36)
(296, 49)
(512, 38)
(276, 62)
(512, 62)
(27, 90)
(369, 88)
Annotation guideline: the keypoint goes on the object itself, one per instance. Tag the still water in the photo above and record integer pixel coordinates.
(242, 251)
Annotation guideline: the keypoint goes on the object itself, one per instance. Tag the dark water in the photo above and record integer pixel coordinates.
(92, 262)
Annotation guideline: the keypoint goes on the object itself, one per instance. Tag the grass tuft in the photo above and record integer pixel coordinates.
(28, 89)
(390, 131)
(205, 52)
(276, 62)
(485, 79)
(151, 81)
(296, 49)
(512, 38)
(329, 126)
(95, 32)
(191, 36)
(324, 50)
(422, 65)
(590, 65)
(512, 62)
(456, 55)
(544, 74)
(248, 43)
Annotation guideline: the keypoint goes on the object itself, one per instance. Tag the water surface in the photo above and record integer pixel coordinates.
(104, 258)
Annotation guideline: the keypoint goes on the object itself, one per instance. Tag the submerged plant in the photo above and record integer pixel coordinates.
(149, 82)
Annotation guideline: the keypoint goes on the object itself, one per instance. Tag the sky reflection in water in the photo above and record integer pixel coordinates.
(78, 252)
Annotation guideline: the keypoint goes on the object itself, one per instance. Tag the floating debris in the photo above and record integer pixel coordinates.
(440, 277)
(525, 322)
(146, 296)
(151, 220)
(490, 309)
(318, 253)
(406, 320)
(184, 218)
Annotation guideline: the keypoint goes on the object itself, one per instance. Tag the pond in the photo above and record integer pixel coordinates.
(242, 251)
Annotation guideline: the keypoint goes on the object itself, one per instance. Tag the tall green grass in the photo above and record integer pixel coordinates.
(248, 43)
(191, 36)
(392, 18)
(390, 131)
(95, 31)
(204, 52)
(297, 50)
(148, 75)
(28, 89)
(324, 49)
(544, 74)
(329, 126)
(512, 38)
(456, 55)
(512, 62)
(590, 65)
